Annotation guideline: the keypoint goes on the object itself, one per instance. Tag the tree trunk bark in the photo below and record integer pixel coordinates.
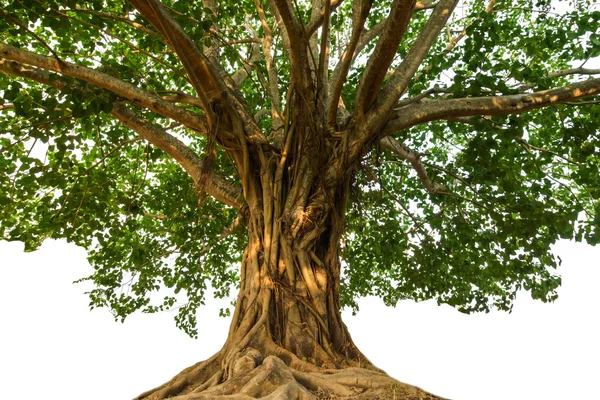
(287, 339)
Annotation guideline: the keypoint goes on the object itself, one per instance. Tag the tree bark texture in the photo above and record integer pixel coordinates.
(287, 339)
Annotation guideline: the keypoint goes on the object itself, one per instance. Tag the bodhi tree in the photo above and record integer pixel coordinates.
(305, 153)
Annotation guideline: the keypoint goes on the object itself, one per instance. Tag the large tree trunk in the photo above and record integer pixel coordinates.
(287, 339)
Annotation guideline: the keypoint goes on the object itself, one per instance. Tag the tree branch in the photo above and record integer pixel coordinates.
(205, 80)
(389, 95)
(365, 38)
(318, 18)
(338, 77)
(190, 161)
(243, 73)
(383, 55)
(296, 40)
(213, 184)
(499, 105)
(126, 90)
(322, 71)
(404, 152)
(574, 71)
(271, 72)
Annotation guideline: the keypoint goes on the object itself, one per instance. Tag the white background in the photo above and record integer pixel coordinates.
(52, 346)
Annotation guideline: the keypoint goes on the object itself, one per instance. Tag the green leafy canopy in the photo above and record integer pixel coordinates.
(513, 185)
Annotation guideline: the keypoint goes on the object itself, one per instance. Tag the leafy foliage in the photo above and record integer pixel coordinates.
(515, 184)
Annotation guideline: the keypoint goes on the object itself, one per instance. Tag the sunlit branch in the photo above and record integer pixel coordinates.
(205, 80)
(499, 105)
(189, 160)
(105, 81)
(338, 77)
(383, 55)
(402, 75)
(296, 39)
(271, 71)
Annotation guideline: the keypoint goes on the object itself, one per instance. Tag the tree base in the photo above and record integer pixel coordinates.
(252, 377)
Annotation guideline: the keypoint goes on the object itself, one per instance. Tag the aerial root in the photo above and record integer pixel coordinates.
(273, 379)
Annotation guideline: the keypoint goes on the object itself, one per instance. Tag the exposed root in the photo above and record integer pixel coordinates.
(271, 378)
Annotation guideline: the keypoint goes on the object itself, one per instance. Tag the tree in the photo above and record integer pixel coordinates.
(439, 151)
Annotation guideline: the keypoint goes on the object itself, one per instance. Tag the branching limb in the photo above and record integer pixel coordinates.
(401, 76)
(295, 39)
(338, 77)
(404, 152)
(317, 18)
(383, 55)
(419, 97)
(499, 105)
(213, 184)
(243, 73)
(205, 80)
(190, 161)
(276, 116)
(21, 63)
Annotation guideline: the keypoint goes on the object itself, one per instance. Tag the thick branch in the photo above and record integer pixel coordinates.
(383, 55)
(126, 90)
(340, 73)
(389, 95)
(404, 152)
(500, 105)
(205, 81)
(365, 38)
(271, 71)
(318, 18)
(213, 184)
(295, 36)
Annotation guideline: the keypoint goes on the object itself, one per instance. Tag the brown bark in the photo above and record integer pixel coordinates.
(287, 339)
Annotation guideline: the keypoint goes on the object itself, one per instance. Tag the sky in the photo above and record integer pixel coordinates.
(53, 346)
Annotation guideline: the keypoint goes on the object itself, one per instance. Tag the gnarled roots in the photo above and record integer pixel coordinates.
(253, 377)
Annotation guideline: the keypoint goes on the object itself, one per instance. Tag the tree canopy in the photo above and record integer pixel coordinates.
(470, 131)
